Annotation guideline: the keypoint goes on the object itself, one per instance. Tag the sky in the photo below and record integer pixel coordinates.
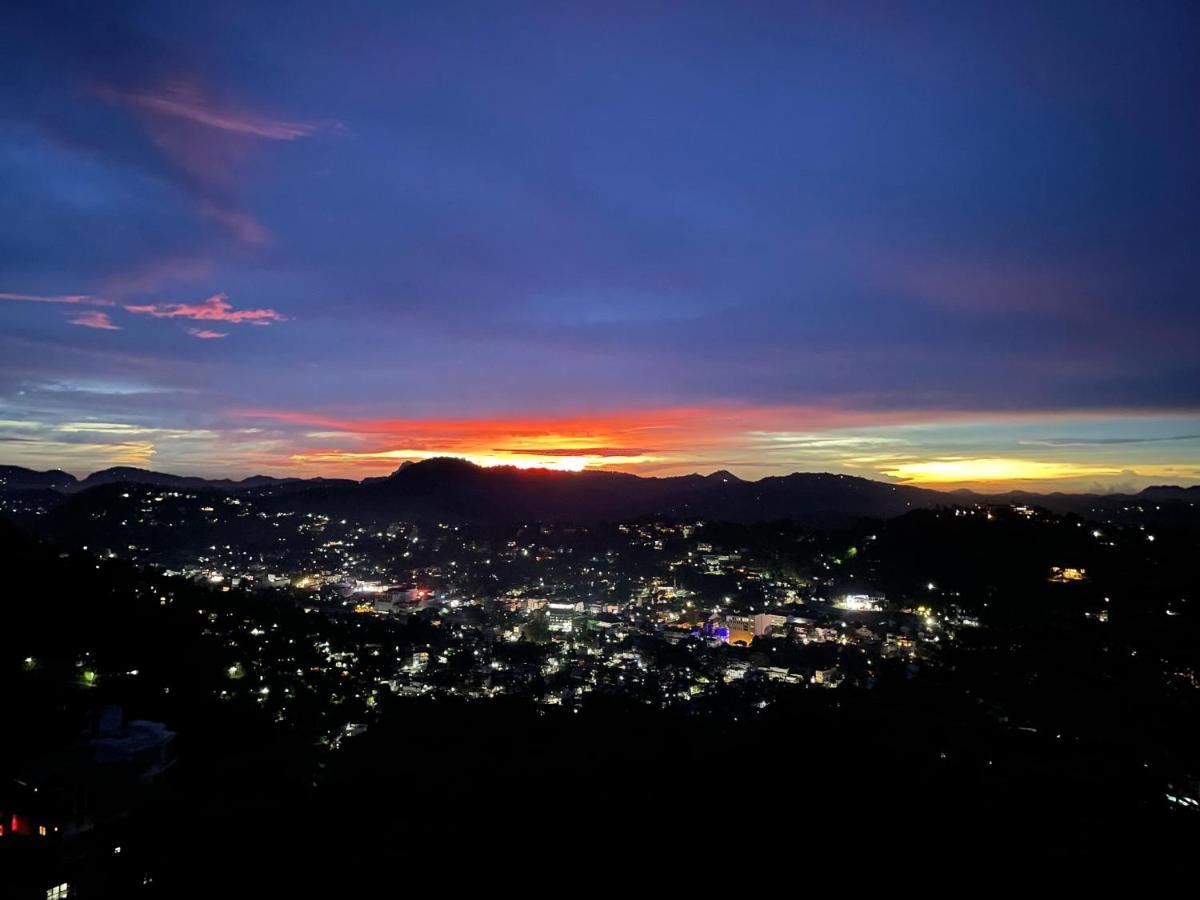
(951, 244)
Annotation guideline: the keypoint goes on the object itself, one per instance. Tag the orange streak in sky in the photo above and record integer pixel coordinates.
(635, 439)
(671, 440)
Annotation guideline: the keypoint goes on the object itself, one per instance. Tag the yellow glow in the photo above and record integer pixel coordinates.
(34, 452)
(954, 470)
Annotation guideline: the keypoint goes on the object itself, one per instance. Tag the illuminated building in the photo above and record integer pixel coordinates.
(563, 615)
(860, 603)
(1065, 574)
(828, 677)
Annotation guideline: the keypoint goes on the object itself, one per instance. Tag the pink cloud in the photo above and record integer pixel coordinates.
(182, 101)
(207, 335)
(215, 309)
(206, 143)
(95, 319)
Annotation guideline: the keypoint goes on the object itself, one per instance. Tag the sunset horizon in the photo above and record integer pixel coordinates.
(1048, 452)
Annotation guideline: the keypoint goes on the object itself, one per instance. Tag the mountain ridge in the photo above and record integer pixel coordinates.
(448, 488)
(12, 477)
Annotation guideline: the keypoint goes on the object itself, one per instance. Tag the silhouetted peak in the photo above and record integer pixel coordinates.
(1167, 491)
(723, 475)
(447, 464)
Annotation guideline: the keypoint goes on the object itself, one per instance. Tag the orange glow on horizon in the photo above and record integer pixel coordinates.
(564, 443)
(670, 439)
(752, 441)
(559, 463)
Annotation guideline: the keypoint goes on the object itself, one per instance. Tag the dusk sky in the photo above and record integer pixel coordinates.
(941, 243)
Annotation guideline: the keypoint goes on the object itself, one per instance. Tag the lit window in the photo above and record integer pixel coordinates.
(58, 892)
(41, 831)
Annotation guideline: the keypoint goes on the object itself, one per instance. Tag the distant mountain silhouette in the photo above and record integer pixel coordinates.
(456, 490)
(723, 475)
(18, 478)
(1171, 492)
(130, 475)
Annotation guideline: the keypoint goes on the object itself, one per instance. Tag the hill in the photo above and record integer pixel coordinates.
(448, 489)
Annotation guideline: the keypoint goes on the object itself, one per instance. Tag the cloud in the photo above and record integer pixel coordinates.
(204, 144)
(574, 451)
(216, 308)
(186, 101)
(95, 319)
(126, 429)
(37, 453)
(1104, 442)
(102, 388)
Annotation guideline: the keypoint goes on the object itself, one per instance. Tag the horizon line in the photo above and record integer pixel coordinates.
(570, 472)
